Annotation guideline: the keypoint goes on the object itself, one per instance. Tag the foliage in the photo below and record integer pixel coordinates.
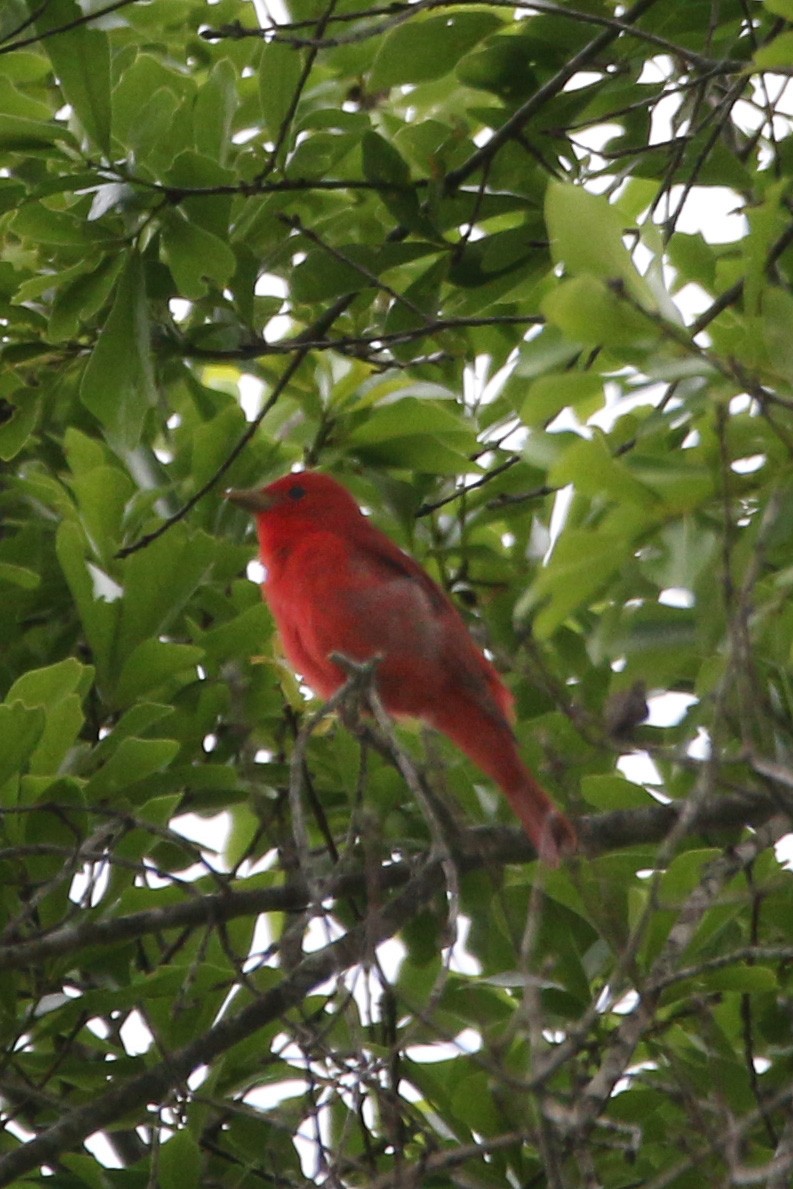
(519, 274)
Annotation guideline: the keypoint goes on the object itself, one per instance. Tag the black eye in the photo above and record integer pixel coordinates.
(296, 492)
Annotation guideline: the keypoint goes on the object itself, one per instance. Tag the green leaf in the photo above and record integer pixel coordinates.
(245, 827)
(776, 313)
(60, 826)
(244, 635)
(548, 395)
(159, 84)
(746, 979)
(215, 105)
(19, 135)
(98, 616)
(418, 307)
(21, 728)
(19, 576)
(684, 873)
(15, 431)
(502, 66)
(16, 102)
(59, 689)
(414, 417)
(133, 722)
(385, 168)
(426, 454)
(321, 277)
(195, 256)
(26, 66)
(78, 301)
(191, 170)
(118, 382)
(586, 234)
(85, 1169)
(158, 581)
(580, 564)
(681, 488)
(590, 467)
(102, 495)
(319, 155)
(590, 312)
(11, 194)
(766, 222)
(213, 440)
(154, 663)
(279, 70)
(81, 61)
(424, 50)
(132, 761)
(607, 793)
(381, 161)
(180, 1162)
(48, 686)
(777, 54)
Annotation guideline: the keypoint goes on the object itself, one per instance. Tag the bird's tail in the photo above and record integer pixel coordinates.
(487, 739)
(551, 833)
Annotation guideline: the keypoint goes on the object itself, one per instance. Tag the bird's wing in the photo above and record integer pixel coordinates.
(460, 653)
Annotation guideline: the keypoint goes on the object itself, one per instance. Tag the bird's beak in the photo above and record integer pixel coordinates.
(251, 499)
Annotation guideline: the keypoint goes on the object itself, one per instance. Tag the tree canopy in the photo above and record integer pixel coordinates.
(518, 274)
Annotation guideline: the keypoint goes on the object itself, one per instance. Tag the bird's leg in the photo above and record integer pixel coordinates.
(360, 684)
(352, 700)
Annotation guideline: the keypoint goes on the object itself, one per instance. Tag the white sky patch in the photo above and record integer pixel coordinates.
(180, 308)
(747, 466)
(668, 709)
(256, 572)
(105, 587)
(715, 212)
(662, 117)
(270, 11)
(639, 768)
(784, 851)
(251, 395)
(676, 596)
(561, 508)
(390, 957)
(583, 78)
(467, 1041)
(700, 747)
(657, 70)
(270, 285)
(210, 833)
(693, 299)
(90, 884)
(100, 1147)
(461, 960)
(616, 404)
(135, 1035)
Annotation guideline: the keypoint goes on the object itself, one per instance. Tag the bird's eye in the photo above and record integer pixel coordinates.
(296, 492)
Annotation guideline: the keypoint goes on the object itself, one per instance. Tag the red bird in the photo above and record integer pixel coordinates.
(335, 583)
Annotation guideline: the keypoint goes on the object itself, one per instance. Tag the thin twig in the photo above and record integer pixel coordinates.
(303, 345)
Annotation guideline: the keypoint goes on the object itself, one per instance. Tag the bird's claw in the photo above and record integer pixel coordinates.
(358, 686)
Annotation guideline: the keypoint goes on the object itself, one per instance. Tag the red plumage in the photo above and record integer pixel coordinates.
(335, 583)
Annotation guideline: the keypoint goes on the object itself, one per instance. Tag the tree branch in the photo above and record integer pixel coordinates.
(154, 1085)
(480, 847)
(521, 117)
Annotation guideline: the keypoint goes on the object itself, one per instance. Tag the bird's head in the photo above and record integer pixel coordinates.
(303, 497)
